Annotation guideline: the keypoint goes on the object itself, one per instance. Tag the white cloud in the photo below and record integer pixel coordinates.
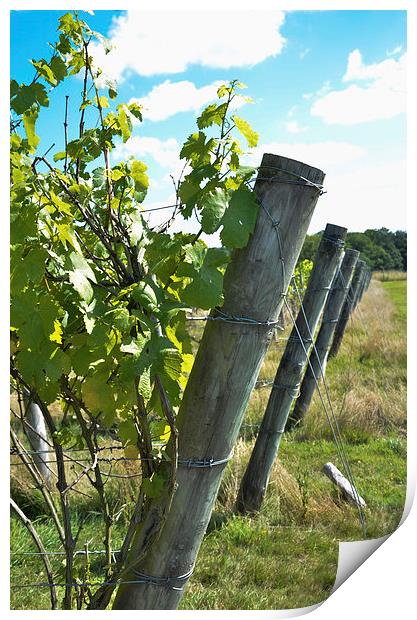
(396, 50)
(359, 194)
(322, 91)
(304, 53)
(163, 152)
(169, 98)
(381, 97)
(327, 155)
(363, 198)
(151, 43)
(294, 127)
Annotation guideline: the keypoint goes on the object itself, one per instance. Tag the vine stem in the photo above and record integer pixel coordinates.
(44, 555)
(66, 134)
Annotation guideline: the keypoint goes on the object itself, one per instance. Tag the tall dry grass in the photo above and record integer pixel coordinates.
(367, 386)
(389, 276)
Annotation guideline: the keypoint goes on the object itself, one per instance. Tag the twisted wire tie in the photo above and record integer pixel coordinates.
(263, 383)
(293, 390)
(337, 241)
(143, 578)
(300, 179)
(229, 318)
(204, 462)
(162, 581)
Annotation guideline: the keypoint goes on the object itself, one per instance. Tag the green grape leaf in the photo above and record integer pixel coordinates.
(145, 295)
(45, 71)
(128, 432)
(138, 174)
(213, 114)
(124, 122)
(26, 96)
(121, 319)
(196, 149)
(206, 288)
(81, 285)
(239, 218)
(145, 385)
(66, 235)
(98, 396)
(164, 359)
(80, 264)
(189, 191)
(60, 155)
(212, 206)
(56, 335)
(154, 486)
(58, 68)
(29, 122)
(135, 109)
(35, 264)
(246, 130)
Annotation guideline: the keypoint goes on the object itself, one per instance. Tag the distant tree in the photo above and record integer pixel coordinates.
(381, 249)
(309, 248)
(400, 241)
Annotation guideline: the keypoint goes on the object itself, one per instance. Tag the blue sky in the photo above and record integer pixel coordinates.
(328, 86)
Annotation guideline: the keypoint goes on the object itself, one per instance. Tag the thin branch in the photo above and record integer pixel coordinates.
(83, 106)
(66, 134)
(61, 486)
(98, 483)
(39, 484)
(38, 542)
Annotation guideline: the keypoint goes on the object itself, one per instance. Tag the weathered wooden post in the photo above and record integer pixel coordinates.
(347, 309)
(223, 376)
(363, 284)
(37, 435)
(368, 279)
(290, 371)
(318, 357)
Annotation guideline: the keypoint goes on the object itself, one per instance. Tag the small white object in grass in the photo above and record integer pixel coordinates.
(343, 484)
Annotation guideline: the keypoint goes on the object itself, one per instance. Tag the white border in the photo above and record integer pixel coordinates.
(384, 586)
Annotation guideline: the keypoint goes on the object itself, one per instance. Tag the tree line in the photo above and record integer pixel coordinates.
(381, 249)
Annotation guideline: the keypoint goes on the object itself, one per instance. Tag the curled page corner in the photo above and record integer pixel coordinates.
(352, 555)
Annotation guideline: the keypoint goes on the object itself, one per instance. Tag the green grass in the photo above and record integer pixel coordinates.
(397, 290)
(285, 556)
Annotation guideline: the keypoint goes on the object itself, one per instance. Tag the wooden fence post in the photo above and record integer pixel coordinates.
(290, 371)
(347, 309)
(318, 357)
(368, 279)
(223, 376)
(362, 287)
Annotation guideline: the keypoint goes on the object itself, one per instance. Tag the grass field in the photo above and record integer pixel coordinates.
(286, 556)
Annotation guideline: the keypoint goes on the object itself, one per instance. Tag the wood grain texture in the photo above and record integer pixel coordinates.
(290, 371)
(225, 371)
